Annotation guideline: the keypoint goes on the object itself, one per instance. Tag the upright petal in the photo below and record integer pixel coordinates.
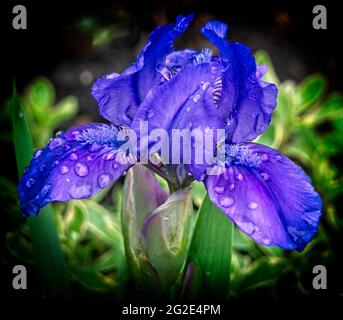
(184, 102)
(75, 164)
(246, 102)
(268, 196)
(119, 96)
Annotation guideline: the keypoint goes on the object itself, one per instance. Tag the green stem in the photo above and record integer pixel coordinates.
(47, 249)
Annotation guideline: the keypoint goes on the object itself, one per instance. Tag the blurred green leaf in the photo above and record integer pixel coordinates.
(63, 111)
(311, 90)
(43, 231)
(263, 272)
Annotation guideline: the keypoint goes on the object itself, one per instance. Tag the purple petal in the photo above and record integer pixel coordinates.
(119, 96)
(185, 102)
(75, 164)
(268, 196)
(246, 102)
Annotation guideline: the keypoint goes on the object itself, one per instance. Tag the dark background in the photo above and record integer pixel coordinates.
(53, 46)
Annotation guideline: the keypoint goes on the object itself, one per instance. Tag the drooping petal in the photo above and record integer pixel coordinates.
(246, 102)
(118, 96)
(75, 164)
(268, 196)
(184, 102)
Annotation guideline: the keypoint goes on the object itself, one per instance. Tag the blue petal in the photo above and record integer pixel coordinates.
(246, 102)
(74, 165)
(267, 196)
(184, 102)
(119, 96)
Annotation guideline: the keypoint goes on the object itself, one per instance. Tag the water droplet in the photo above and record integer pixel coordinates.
(30, 182)
(205, 85)
(214, 69)
(150, 113)
(226, 202)
(266, 241)
(79, 192)
(219, 189)
(81, 169)
(264, 157)
(64, 169)
(89, 158)
(56, 163)
(67, 179)
(278, 157)
(196, 98)
(74, 135)
(73, 156)
(115, 166)
(55, 143)
(104, 180)
(94, 147)
(43, 167)
(37, 153)
(32, 209)
(45, 190)
(239, 177)
(232, 187)
(58, 133)
(265, 176)
(110, 155)
(188, 109)
(252, 205)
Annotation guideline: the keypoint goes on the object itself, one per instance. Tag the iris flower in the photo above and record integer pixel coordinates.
(263, 192)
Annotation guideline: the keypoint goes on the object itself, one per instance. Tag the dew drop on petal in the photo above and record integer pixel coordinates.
(73, 156)
(226, 202)
(252, 205)
(72, 136)
(278, 158)
(94, 147)
(150, 113)
(37, 153)
(56, 142)
(239, 177)
(219, 189)
(43, 167)
(110, 155)
(45, 190)
(32, 209)
(196, 98)
(266, 241)
(81, 169)
(205, 85)
(265, 176)
(232, 187)
(115, 166)
(64, 169)
(188, 109)
(104, 180)
(79, 192)
(264, 157)
(89, 158)
(30, 182)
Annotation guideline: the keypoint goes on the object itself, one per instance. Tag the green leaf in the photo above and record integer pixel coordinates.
(43, 231)
(330, 110)
(263, 272)
(63, 111)
(211, 248)
(311, 90)
(198, 193)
